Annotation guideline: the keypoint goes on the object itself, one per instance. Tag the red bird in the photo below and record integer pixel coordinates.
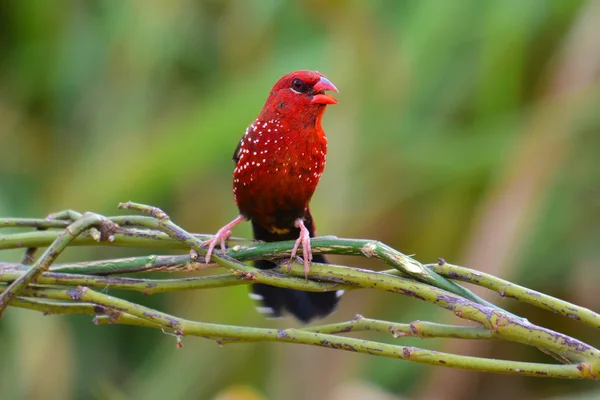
(279, 162)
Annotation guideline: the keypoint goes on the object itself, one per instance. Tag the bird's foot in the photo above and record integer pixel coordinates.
(222, 235)
(304, 240)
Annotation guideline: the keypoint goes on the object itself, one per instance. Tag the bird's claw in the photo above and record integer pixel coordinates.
(304, 240)
(222, 235)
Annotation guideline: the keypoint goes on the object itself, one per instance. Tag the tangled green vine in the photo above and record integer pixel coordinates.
(42, 285)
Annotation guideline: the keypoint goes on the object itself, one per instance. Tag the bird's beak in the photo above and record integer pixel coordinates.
(321, 97)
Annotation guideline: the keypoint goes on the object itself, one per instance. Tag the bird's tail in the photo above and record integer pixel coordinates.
(275, 300)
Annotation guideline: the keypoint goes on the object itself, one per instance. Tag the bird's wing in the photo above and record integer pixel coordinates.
(236, 153)
(238, 150)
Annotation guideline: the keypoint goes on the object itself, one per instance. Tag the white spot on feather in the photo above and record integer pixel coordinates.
(257, 297)
(265, 310)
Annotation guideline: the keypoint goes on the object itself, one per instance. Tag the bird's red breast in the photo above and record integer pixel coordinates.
(282, 156)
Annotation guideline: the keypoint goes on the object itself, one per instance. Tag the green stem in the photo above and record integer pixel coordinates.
(184, 262)
(377, 249)
(509, 289)
(59, 308)
(182, 327)
(152, 263)
(126, 319)
(420, 329)
(328, 245)
(146, 286)
(32, 223)
(153, 286)
(496, 323)
(43, 263)
(502, 324)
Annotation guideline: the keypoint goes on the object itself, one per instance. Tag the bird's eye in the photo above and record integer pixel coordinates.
(298, 85)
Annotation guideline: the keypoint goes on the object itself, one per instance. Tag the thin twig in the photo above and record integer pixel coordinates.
(501, 324)
(420, 329)
(230, 333)
(323, 245)
(32, 223)
(508, 289)
(43, 263)
(402, 262)
(494, 323)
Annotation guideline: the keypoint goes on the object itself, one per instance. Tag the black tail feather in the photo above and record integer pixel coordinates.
(303, 305)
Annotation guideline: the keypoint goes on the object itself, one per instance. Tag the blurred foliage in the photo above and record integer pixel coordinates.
(467, 130)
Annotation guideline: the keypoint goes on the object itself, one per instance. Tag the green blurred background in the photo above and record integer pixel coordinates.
(465, 130)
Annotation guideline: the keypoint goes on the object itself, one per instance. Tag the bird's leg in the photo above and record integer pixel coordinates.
(222, 235)
(303, 239)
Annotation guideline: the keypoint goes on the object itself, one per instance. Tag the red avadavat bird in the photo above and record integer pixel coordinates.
(279, 162)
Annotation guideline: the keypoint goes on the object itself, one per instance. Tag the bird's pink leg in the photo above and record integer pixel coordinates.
(222, 235)
(303, 239)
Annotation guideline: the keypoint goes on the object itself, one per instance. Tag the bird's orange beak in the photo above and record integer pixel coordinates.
(320, 96)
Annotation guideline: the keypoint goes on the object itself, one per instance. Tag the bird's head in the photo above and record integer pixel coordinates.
(301, 91)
